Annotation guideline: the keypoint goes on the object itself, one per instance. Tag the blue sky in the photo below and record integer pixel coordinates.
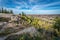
(32, 6)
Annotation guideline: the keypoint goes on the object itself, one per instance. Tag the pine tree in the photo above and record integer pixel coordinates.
(2, 10)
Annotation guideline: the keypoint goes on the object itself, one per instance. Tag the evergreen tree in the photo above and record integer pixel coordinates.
(2, 10)
(5, 11)
(23, 13)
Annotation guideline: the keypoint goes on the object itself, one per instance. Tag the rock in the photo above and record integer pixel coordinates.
(30, 30)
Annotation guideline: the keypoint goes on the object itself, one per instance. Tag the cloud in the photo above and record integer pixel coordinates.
(18, 7)
(33, 1)
(17, 11)
(33, 9)
(41, 11)
(38, 7)
(54, 3)
(22, 4)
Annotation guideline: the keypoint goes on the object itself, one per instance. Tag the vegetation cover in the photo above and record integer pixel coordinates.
(43, 33)
(29, 21)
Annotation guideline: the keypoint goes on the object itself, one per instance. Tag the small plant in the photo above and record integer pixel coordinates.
(2, 19)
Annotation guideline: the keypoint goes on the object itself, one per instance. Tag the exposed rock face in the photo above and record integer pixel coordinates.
(5, 15)
(10, 24)
(13, 17)
(30, 30)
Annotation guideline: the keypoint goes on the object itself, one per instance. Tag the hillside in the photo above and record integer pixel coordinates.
(34, 27)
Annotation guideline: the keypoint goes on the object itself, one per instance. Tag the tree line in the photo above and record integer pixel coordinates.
(6, 11)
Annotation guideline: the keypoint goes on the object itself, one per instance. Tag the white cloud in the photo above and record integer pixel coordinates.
(33, 1)
(38, 7)
(54, 3)
(17, 11)
(18, 7)
(22, 4)
(34, 9)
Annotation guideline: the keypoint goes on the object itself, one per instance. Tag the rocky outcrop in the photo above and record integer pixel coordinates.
(30, 30)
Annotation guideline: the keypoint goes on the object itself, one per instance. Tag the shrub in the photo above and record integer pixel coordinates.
(24, 37)
(2, 19)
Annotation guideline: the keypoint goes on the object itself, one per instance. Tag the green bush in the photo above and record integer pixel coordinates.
(24, 37)
(57, 24)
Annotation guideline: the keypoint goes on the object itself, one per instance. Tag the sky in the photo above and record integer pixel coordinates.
(32, 6)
